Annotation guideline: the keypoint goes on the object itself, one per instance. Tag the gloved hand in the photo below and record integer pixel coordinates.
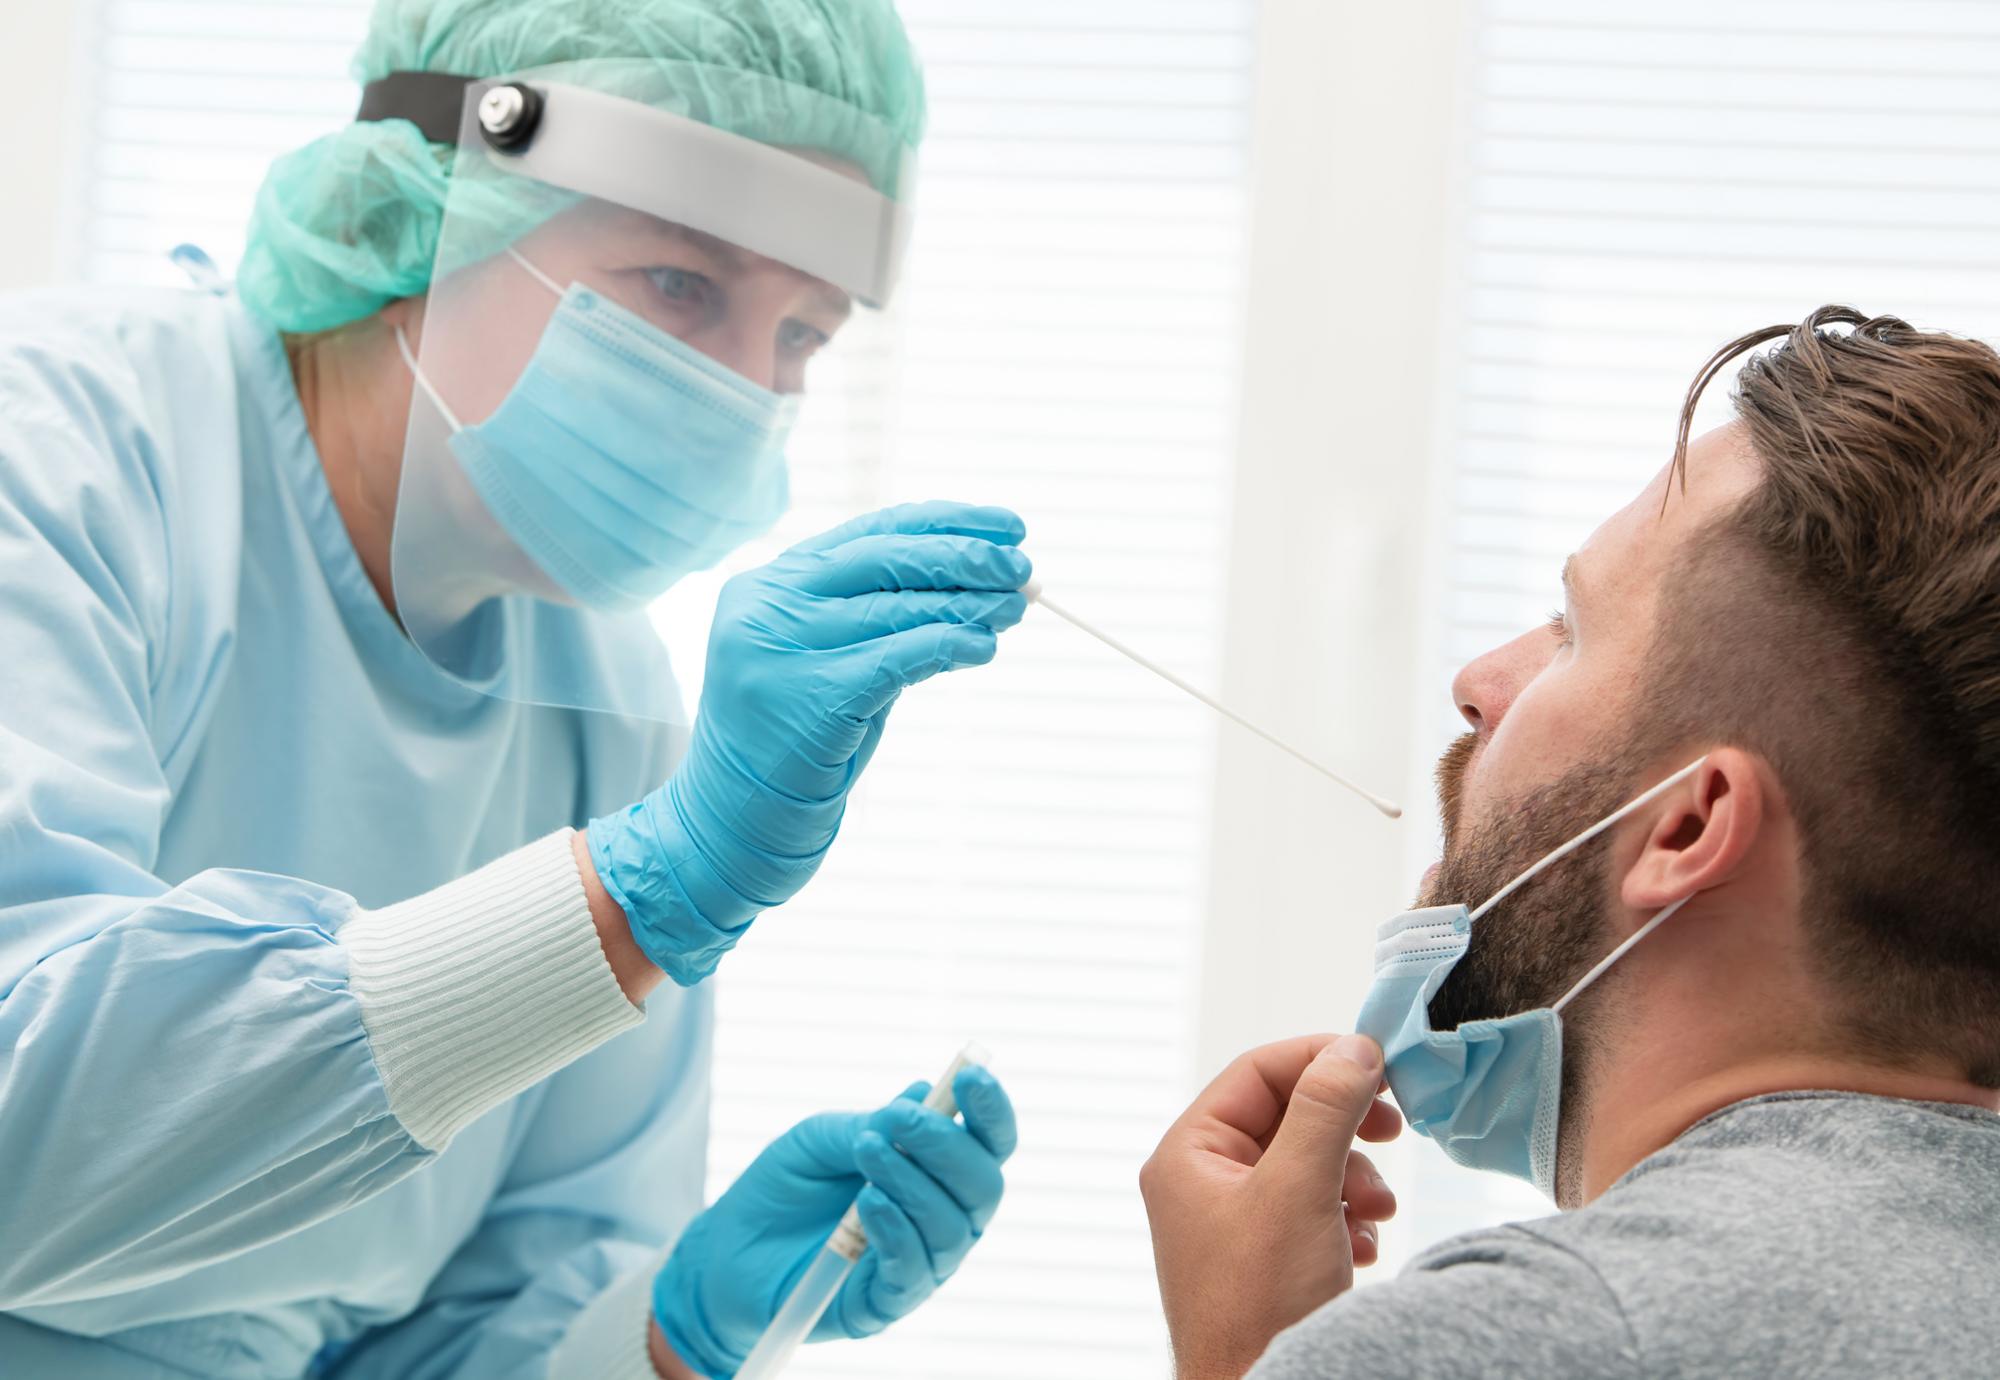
(931, 1187)
(805, 659)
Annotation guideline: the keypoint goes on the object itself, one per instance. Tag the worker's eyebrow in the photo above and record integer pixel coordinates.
(728, 256)
(832, 300)
(735, 259)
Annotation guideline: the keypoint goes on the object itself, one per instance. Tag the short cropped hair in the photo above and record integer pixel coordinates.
(1843, 621)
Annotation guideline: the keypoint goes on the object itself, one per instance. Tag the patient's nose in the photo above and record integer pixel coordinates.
(1486, 688)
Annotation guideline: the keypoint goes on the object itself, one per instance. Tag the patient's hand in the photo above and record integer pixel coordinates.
(1260, 1206)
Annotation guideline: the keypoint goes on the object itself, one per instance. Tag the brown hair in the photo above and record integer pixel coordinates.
(1843, 621)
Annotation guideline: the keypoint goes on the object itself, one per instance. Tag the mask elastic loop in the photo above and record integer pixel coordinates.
(1587, 835)
(1595, 973)
(403, 344)
(545, 280)
(410, 360)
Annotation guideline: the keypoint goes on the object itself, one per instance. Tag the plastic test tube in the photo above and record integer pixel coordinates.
(801, 1310)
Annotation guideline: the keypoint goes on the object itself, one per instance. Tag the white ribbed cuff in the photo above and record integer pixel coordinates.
(607, 1340)
(479, 989)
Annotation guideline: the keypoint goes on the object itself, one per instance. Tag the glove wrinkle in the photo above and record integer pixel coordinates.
(805, 659)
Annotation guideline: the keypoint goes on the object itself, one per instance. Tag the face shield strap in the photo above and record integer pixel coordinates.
(432, 101)
(765, 199)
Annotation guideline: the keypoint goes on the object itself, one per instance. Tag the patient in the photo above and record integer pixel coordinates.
(1777, 1137)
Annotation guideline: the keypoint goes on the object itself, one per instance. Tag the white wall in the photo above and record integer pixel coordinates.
(39, 40)
(1357, 109)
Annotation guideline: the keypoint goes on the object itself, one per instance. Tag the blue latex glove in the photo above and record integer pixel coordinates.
(931, 1186)
(805, 659)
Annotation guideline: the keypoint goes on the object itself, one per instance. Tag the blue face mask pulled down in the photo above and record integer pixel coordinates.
(1490, 1092)
(623, 459)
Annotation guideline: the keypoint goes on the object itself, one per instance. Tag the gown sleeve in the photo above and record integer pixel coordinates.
(556, 1283)
(190, 1071)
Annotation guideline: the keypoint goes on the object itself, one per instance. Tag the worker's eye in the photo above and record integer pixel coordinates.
(795, 337)
(682, 285)
(1559, 627)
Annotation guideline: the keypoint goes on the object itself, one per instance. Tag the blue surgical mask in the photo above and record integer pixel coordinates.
(623, 459)
(1490, 1092)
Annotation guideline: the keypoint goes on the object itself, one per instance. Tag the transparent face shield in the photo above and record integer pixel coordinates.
(638, 264)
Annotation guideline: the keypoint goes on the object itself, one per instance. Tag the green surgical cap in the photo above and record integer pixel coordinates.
(351, 222)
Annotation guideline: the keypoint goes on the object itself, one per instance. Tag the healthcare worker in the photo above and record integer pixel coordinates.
(332, 1042)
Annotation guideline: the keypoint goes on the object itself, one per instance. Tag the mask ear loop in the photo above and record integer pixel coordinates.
(1595, 973)
(544, 279)
(410, 362)
(1586, 836)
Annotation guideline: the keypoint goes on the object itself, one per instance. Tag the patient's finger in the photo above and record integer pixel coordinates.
(1368, 1197)
(1381, 1122)
(1364, 1241)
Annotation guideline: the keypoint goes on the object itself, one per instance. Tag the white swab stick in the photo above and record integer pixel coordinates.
(1033, 591)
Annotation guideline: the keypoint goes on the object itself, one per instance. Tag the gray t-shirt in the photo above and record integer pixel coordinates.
(1800, 1234)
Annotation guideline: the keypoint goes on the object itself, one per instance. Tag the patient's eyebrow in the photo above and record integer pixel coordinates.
(1572, 582)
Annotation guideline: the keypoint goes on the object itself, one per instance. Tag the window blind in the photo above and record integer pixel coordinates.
(1023, 862)
(1643, 184)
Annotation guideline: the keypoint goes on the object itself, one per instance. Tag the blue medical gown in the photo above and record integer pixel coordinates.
(214, 744)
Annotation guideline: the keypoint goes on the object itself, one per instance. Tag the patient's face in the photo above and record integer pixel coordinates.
(1556, 697)
(1549, 714)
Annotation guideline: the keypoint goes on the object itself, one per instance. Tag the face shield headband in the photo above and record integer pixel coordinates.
(771, 200)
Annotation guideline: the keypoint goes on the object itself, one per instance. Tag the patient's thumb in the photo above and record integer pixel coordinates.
(1309, 1152)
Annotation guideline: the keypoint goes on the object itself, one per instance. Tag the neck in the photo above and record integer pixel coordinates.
(355, 393)
(1645, 1105)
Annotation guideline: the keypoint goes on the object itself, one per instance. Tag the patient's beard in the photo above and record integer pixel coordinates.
(1531, 948)
(1528, 950)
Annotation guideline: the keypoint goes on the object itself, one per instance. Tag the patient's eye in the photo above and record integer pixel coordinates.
(1559, 626)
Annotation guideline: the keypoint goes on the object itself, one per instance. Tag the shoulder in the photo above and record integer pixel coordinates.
(1772, 1182)
(83, 352)
(1726, 1252)
(1501, 1302)
(120, 463)
(103, 397)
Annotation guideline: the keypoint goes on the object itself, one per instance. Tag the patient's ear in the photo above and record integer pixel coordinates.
(1703, 831)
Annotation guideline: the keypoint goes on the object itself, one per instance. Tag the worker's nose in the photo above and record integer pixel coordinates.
(745, 347)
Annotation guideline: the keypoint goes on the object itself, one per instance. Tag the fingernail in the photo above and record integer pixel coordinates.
(1359, 1051)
